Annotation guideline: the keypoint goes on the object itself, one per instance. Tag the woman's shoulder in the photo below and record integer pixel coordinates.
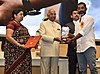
(12, 25)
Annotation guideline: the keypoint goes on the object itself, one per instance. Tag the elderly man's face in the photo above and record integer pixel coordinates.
(52, 15)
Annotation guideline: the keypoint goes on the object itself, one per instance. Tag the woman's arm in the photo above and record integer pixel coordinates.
(9, 37)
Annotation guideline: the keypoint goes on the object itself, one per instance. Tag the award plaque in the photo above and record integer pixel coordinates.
(65, 31)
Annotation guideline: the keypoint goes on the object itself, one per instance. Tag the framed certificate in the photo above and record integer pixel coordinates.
(32, 42)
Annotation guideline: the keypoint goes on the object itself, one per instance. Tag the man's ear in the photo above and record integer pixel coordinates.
(48, 14)
(86, 9)
(71, 16)
(14, 15)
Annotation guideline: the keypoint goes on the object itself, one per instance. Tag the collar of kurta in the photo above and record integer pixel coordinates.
(50, 21)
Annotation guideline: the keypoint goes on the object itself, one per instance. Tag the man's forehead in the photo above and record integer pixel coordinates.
(52, 11)
(81, 5)
(75, 11)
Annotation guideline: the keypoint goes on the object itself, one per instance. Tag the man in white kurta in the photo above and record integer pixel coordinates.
(51, 33)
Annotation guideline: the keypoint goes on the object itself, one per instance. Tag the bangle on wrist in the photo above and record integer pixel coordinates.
(26, 2)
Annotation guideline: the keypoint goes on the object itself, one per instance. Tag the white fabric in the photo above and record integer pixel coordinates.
(48, 31)
(49, 65)
(88, 38)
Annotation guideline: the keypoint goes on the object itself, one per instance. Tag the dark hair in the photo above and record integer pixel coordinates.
(15, 12)
(82, 4)
(72, 11)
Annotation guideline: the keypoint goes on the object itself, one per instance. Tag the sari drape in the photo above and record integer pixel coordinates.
(17, 59)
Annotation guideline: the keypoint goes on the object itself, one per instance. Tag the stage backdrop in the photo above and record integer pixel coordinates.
(65, 11)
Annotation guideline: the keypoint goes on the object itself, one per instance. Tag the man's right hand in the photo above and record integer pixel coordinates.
(57, 39)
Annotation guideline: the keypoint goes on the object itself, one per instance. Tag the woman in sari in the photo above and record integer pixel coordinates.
(17, 56)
